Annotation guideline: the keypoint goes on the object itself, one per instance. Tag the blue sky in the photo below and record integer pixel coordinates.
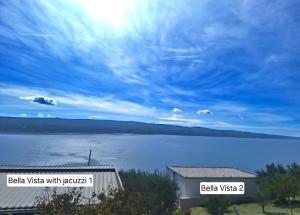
(217, 64)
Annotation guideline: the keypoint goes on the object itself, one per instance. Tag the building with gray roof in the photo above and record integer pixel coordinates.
(23, 199)
(188, 180)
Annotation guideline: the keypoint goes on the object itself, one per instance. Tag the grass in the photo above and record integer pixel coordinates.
(250, 209)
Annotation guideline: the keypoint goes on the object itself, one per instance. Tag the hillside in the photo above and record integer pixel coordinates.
(15, 125)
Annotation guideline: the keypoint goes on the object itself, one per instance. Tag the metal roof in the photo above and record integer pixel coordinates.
(211, 172)
(16, 169)
(22, 198)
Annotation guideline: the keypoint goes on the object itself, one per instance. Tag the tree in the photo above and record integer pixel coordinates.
(268, 181)
(265, 190)
(288, 188)
(263, 198)
(294, 170)
(159, 190)
(278, 183)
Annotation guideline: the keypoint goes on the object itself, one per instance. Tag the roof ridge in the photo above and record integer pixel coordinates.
(193, 171)
(18, 168)
(211, 167)
(52, 166)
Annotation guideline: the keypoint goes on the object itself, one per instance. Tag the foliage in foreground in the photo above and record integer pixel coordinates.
(114, 202)
(155, 194)
(278, 184)
(250, 209)
(217, 204)
(159, 191)
(143, 193)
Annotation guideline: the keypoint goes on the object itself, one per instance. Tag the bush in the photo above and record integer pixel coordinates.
(114, 202)
(216, 204)
(54, 203)
(143, 193)
(179, 212)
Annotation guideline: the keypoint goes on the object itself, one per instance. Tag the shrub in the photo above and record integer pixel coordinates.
(216, 204)
(179, 212)
(114, 202)
(143, 193)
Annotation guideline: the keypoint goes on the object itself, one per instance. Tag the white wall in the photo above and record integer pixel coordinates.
(192, 185)
(179, 180)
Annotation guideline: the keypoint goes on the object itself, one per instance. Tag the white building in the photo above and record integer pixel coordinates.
(189, 178)
(21, 200)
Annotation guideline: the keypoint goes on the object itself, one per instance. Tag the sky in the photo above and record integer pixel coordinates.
(217, 64)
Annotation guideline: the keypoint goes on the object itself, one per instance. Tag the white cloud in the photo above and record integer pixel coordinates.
(268, 117)
(50, 116)
(37, 35)
(180, 119)
(182, 58)
(205, 111)
(177, 50)
(45, 115)
(104, 104)
(39, 99)
(96, 117)
(41, 115)
(24, 115)
(176, 110)
(79, 101)
(230, 107)
(101, 106)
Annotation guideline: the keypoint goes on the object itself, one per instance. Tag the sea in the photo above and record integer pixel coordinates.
(146, 152)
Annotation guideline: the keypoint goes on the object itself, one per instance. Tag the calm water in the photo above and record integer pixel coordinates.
(146, 152)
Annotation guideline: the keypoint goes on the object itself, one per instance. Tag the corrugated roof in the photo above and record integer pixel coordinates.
(24, 197)
(211, 172)
(9, 168)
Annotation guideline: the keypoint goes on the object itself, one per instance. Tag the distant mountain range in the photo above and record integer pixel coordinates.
(16, 125)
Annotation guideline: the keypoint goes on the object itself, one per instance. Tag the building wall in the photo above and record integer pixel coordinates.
(190, 196)
(189, 188)
(179, 180)
(192, 185)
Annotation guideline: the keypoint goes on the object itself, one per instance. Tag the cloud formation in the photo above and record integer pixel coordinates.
(118, 60)
(24, 115)
(179, 119)
(204, 111)
(96, 117)
(176, 110)
(106, 104)
(39, 99)
(44, 115)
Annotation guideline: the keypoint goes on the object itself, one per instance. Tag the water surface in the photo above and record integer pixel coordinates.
(147, 152)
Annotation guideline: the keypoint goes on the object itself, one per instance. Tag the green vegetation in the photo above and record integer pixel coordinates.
(144, 193)
(217, 204)
(279, 187)
(159, 191)
(250, 209)
(155, 194)
(114, 202)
